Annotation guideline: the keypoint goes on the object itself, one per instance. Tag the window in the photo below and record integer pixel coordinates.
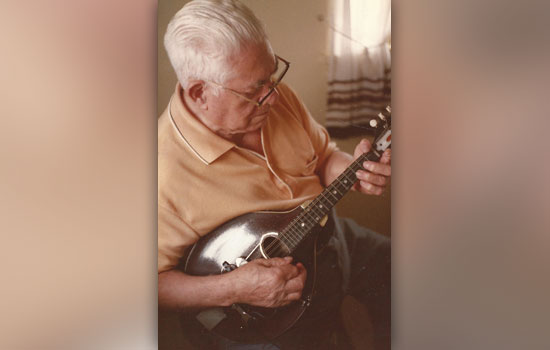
(359, 83)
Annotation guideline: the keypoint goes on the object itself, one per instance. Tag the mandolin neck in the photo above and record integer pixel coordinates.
(315, 211)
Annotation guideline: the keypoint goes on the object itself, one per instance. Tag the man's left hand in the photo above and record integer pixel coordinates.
(376, 177)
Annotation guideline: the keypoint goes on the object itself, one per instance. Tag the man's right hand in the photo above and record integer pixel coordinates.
(269, 282)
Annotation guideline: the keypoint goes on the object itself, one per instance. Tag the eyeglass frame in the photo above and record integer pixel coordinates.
(266, 96)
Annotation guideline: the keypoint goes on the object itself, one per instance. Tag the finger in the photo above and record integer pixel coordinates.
(362, 147)
(262, 262)
(377, 168)
(368, 188)
(374, 179)
(386, 157)
(302, 271)
(293, 296)
(298, 282)
(276, 261)
(295, 285)
(289, 271)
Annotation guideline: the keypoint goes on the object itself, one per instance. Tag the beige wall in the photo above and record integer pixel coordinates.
(295, 34)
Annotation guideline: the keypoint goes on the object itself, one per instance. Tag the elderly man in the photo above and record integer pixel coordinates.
(234, 139)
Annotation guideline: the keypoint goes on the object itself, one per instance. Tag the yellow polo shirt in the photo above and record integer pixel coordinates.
(205, 180)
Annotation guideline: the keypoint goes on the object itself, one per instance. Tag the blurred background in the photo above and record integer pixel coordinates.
(470, 224)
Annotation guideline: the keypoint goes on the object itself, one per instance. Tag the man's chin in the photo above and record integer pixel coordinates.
(255, 124)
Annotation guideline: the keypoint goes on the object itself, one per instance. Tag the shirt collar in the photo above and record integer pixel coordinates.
(204, 143)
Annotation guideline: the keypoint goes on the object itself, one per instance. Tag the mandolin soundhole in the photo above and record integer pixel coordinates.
(272, 247)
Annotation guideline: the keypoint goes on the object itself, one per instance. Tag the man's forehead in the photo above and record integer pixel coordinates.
(265, 78)
(256, 70)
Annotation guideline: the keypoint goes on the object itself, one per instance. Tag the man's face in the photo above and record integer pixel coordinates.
(229, 114)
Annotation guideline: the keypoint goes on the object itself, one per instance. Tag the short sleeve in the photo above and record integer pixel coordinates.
(174, 236)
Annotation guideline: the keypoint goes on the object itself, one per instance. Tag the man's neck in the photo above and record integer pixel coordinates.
(252, 141)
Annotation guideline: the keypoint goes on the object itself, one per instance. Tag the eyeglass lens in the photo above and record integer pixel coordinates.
(276, 78)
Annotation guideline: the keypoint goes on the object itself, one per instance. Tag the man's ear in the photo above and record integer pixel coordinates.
(196, 91)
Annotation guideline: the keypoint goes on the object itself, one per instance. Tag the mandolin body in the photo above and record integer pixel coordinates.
(245, 238)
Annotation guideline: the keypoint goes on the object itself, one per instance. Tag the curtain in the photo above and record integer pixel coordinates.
(359, 78)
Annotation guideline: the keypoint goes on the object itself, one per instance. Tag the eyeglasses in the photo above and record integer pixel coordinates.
(275, 79)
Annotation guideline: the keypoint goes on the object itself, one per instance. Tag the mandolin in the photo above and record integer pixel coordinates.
(269, 234)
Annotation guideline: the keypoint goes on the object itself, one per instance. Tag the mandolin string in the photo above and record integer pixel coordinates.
(295, 237)
(294, 232)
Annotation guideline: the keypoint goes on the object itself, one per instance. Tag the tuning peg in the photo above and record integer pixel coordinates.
(381, 116)
(388, 108)
(373, 123)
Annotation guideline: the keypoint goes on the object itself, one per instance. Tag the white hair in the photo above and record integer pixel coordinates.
(204, 35)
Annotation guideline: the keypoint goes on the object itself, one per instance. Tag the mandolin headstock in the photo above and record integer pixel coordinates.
(383, 124)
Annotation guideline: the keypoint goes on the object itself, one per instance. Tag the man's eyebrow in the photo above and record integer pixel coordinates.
(259, 83)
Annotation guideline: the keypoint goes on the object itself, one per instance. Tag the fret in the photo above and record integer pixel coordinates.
(339, 188)
(290, 240)
(335, 190)
(287, 241)
(344, 185)
(296, 236)
(331, 192)
(319, 214)
(349, 179)
(327, 202)
(309, 218)
(321, 206)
